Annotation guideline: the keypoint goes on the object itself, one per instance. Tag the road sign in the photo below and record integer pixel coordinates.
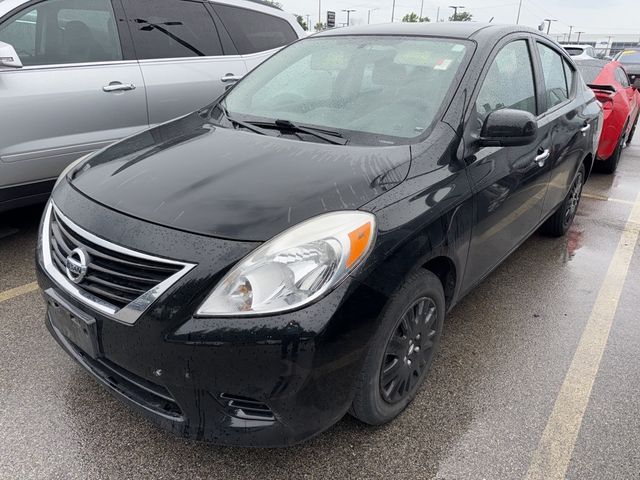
(331, 19)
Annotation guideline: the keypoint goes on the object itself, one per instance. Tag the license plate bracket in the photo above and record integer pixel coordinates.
(78, 327)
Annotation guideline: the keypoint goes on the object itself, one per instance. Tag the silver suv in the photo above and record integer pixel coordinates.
(77, 75)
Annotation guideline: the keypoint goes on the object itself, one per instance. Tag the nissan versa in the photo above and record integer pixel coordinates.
(250, 272)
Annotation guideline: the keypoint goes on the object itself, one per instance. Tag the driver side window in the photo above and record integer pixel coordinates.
(509, 82)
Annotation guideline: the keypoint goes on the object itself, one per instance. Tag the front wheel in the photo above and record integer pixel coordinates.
(402, 350)
(558, 224)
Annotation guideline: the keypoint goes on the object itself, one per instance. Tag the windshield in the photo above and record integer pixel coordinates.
(380, 89)
(629, 56)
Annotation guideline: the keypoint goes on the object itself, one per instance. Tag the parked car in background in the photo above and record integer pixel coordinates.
(252, 271)
(76, 76)
(621, 104)
(580, 51)
(630, 58)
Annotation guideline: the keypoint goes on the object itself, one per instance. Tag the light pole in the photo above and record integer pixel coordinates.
(309, 22)
(570, 30)
(369, 14)
(549, 20)
(518, 17)
(319, 11)
(348, 13)
(455, 11)
(421, 8)
(393, 10)
(579, 33)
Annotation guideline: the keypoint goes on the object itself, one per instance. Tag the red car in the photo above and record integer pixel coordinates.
(621, 104)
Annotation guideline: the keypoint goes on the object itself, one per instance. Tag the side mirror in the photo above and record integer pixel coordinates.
(9, 57)
(509, 128)
(636, 84)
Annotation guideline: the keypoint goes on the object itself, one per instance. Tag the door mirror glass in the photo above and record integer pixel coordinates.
(509, 128)
(8, 56)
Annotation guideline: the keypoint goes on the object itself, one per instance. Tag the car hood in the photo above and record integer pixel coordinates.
(192, 175)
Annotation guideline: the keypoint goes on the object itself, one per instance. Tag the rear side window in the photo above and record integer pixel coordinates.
(621, 76)
(509, 82)
(253, 31)
(172, 29)
(64, 31)
(568, 72)
(554, 76)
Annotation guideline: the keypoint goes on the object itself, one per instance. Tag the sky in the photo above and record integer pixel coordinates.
(590, 16)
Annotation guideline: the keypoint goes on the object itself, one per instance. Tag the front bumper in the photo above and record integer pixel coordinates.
(270, 381)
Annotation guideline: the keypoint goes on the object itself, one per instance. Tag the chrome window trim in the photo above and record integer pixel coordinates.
(131, 312)
(72, 65)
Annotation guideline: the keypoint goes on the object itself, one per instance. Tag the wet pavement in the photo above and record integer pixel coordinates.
(493, 389)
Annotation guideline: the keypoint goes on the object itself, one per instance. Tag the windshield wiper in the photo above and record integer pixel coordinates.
(326, 135)
(240, 123)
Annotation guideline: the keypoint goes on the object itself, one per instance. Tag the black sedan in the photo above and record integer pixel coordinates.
(250, 272)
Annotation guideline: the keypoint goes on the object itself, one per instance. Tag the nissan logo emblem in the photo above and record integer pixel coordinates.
(76, 265)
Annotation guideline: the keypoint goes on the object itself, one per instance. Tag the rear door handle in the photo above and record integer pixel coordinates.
(541, 158)
(118, 87)
(230, 77)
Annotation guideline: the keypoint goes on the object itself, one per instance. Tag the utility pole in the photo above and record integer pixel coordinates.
(549, 20)
(348, 13)
(393, 10)
(519, 8)
(421, 8)
(319, 11)
(455, 11)
(438, 15)
(570, 30)
(579, 33)
(309, 22)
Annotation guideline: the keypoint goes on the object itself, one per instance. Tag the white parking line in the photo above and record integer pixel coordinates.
(16, 292)
(607, 199)
(551, 458)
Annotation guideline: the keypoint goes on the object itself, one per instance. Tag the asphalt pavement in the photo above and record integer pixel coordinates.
(538, 376)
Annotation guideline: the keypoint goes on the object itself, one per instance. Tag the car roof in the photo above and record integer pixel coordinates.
(464, 30)
(576, 45)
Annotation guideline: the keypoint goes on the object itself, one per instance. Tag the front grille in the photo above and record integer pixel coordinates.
(114, 277)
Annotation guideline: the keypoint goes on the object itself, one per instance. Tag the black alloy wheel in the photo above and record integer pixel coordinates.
(409, 351)
(402, 350)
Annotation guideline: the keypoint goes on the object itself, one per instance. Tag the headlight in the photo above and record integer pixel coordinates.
(69, 167)
(294, 268)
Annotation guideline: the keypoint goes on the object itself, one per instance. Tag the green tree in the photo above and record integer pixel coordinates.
(301, 21)
(414, 18)
(320, 26)
(461, 17)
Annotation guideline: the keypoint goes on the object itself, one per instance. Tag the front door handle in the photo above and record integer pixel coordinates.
(585, 129)
(541, 158)
(230, 77)
(118, 87)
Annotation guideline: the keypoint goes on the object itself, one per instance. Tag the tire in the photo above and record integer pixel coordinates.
(633, 130)
(412, 318)
(558, 224)
(610, 165)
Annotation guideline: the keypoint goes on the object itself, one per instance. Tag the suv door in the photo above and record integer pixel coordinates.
(565, 127)
(75, 93)
(181, 56)
(256, 35)
(509, 183)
